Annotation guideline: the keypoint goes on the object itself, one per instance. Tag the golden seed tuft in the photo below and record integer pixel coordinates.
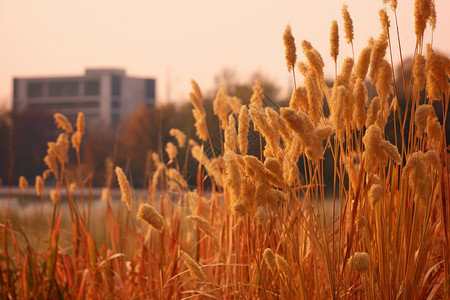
(62, 122)
(124, 187)
(194, 268)
(290, 49)
(269, 258)
(359, 262)
(149, 215)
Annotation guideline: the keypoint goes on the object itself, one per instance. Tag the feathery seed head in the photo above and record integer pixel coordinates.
(23, 183)
(201, 224)
(55, 196)
(179, 136)
(257, 97)
(171, 150)
(231, 139)
(243, 130)
(220, 107)
(377, 56)
(80, 123)
(384, 20)
(290, 49)
(282, 264)
(422, 11)
(299, 99)
(348, 24)
(124, 187)
(359, 262)
(39, 184)
(149, 215)
(375, 194)
(362, 66)
(420, 118)
(194, 268)
(334, 41)
(269, 258)
(360, 96)
(62, 122)
(419, 72)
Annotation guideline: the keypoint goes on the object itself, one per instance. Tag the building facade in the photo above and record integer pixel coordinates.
(105, 96)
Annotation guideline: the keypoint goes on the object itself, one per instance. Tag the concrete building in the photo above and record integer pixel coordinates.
(105, 96)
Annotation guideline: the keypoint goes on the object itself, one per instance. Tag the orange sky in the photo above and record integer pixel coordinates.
(174, 40)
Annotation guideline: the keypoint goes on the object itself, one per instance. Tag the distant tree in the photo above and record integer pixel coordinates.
(148, 130)
(25, 149)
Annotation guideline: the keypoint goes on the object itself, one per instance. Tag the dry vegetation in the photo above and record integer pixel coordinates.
(263, 228)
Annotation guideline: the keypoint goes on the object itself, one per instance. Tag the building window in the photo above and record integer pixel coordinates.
(66, 105)
(35, 89)
(115, 118)
(61, 89)
(150, 88)
(91, 88)
(116, 86)
(115, 104)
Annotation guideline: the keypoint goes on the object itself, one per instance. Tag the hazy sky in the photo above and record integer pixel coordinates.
(174, 40)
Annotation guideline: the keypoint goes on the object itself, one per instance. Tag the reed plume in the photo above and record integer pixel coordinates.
(62, 122)
(179, 136)
(149, 215)
(334, 41)
(290, 49)
(124, 187)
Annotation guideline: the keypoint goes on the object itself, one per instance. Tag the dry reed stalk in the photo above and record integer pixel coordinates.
(23, 183)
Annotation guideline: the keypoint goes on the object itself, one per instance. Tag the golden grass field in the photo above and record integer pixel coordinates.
(261, 227)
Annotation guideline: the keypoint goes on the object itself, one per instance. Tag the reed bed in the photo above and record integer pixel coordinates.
(260, 227)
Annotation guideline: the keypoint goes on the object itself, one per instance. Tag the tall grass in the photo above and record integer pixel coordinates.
(260, 227)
